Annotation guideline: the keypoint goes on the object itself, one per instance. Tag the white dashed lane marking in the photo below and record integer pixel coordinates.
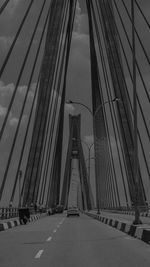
(130, 238)
(38, 255)
(61, 222)
(49, 239)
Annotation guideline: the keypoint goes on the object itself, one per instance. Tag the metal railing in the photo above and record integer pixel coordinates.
(125, 209)
(6, 213)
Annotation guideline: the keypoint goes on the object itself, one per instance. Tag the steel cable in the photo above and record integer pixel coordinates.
(21, 72)
(4, 5)
(143, 82)
(148, 24)
(11, 102)
(124, 81)
(41, 100)
(15, 39)
(113, 122)
(144, 50)
(142, 113)
(66, 64)
(49, 117)
(29, 120)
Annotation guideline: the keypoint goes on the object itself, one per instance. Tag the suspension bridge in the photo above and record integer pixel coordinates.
(74, 75)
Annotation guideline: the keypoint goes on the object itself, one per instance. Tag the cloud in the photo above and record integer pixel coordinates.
(80, 22)
(77, 21)
(89, 139)
(5, 42)
(6, 92)
(4, 89)
(69, 108)
(13, 121)
(80, 37)
(24, 119)
(3, 111)
(12, 6)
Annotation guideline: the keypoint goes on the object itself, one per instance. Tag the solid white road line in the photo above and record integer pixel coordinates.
(38, 255)
(49, 239)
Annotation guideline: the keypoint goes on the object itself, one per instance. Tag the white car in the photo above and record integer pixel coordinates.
(73, 211)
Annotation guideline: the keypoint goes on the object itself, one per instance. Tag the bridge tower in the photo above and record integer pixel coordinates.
(75, 151)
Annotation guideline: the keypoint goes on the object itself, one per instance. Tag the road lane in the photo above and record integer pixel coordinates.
(85, 242)
(78, 242)
(20, 245)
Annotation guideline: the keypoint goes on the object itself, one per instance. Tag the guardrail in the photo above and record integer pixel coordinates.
(6, 213)
(125, 208)
(145, 210)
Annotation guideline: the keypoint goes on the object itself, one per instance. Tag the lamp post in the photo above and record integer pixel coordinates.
(19, 182)
(93, 116)
(89, 166)
(135, 135)
(89, 157)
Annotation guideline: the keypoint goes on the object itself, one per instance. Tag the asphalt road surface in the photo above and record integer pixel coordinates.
(59, 241)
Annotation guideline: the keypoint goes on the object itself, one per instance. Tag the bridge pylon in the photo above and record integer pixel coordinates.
(75, 151)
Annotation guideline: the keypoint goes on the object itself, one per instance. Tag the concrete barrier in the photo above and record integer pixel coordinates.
(13, 223)
(141, 232)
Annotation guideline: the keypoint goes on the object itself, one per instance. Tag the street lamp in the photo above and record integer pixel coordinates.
(19, 182)
(89, 166)
(136, 202)
(81, 104)
(89, 156)
(116, 99)
(98, 108)
(89, 147)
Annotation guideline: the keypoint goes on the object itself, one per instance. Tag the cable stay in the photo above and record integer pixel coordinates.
(2, 8)
(40, 154)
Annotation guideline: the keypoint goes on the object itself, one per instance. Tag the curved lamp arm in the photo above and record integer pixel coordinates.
(81, 104)
(103, 104)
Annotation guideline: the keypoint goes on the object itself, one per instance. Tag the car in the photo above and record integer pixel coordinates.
(73, 211)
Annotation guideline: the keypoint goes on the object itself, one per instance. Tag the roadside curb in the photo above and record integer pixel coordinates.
(13, 223)
(141, 232)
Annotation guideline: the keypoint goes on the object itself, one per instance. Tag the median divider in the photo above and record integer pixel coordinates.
(141, 232)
